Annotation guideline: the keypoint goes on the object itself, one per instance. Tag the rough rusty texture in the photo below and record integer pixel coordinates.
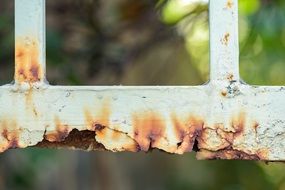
(27, 66)
(228, 154)
(187, 134)
(149, 130)
(61, 132)
(84, 140)
(9, 135)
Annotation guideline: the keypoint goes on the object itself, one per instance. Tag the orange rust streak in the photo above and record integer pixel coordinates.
(180, 129)
(229, 4)
(10, 133)
(238, 124)
(27, 67)
(187, 132)
(104, 114)
(255, 126)
(116, 135)
(62, 131)
(101, 118)
(149, 129)
(88, 120)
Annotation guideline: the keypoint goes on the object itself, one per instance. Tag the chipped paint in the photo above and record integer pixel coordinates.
(223, 119)
(170, 121)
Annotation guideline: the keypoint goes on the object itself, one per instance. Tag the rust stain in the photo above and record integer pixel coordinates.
(76, 139)
(226, 38)
(101, 118)
(228, 154)
(104, 114)
(92, 123)
(263, 154)
(231, 154)
(238, 123)
(116, 135)
(230, 77)
(180, 129)
(62, 131)
(29, 97)
(10, 133)
(122, 140)
(187, 132)
(88, 119)
(225, 148)
(224, 93)
(226, 138)
(196, 126)
(35, 112)
(12, 138)
(28, 69)
(149, 129)
(255, 126)
(223, 139)
(229, 4)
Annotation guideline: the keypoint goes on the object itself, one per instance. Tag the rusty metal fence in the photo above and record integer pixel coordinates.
(223, 119)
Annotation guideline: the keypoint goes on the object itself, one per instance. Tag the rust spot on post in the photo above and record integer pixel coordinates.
(229, 4)
(27, 67)
(224, 93)
(230, 77)
(226, 38)
(255, 126)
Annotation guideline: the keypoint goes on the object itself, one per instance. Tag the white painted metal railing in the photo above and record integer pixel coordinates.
(223, 119)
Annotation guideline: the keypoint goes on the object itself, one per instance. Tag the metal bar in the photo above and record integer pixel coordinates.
(224, 48)
(29, 41)
(248, 125)
(224, 119)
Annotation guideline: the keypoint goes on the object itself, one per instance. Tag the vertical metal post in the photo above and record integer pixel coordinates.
(224, 47)
(29, 41)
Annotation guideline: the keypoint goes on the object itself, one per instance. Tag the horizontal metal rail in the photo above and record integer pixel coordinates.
(224, 119)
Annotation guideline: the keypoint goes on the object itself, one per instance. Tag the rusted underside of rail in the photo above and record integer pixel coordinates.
(234, 122)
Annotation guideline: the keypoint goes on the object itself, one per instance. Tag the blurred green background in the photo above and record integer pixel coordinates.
(142, 42)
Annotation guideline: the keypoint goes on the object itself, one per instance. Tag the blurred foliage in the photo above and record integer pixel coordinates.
(145, 42)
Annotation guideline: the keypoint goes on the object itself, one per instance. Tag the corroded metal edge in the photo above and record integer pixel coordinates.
(234, 122)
